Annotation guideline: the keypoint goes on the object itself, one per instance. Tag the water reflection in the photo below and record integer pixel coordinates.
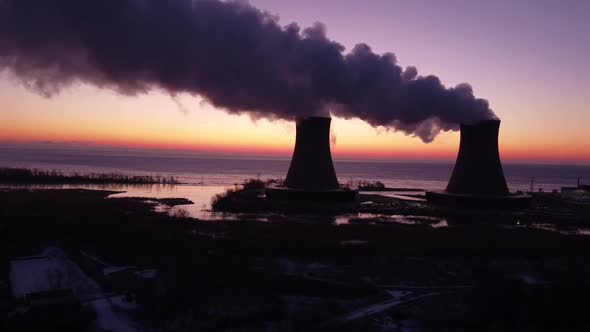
(205, 214)
(566, 230)
(435, 222)
(343, 219)
(201, 195)
(408, 196)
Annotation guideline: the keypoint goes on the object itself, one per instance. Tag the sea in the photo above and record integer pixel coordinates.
(203, 177)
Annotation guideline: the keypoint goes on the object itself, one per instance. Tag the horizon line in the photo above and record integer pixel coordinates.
(249, 155)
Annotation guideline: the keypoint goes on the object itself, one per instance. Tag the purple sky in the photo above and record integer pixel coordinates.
(528, 58)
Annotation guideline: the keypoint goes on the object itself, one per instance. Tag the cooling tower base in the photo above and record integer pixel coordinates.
(328, 196)
(511, 201)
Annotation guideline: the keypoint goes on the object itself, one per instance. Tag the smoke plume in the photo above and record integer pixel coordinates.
(235, 56)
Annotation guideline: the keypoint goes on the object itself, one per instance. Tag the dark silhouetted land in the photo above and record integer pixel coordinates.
(300, 276)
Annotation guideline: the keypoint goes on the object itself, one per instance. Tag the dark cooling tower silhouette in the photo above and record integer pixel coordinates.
(478, 178)
(478, 170)
(311, 166)
(311, 180)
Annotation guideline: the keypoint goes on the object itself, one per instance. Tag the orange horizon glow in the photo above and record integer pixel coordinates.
(103, 119)
(509, 153)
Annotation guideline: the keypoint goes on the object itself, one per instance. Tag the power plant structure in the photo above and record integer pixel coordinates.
(478, 178)
(311, 175)
(311, 166)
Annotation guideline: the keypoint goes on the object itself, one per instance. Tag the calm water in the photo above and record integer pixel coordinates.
(204, 177)
(227, 171)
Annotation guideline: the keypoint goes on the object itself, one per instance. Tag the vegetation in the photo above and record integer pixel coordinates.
(254, 184)
(364, 185)
(36, 176)
(371, 186)
(250, 189)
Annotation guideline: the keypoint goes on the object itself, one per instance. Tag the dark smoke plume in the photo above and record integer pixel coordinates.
(237, 57)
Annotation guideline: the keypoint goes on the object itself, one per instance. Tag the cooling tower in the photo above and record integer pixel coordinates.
(478, 180)
(311, 178)
(311, 166)
(478, 170)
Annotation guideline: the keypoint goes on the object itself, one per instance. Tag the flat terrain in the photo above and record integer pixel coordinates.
(298, 276)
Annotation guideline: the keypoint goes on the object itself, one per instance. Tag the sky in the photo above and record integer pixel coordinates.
(529, 59)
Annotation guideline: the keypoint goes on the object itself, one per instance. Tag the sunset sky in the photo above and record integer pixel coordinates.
(529, 59)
